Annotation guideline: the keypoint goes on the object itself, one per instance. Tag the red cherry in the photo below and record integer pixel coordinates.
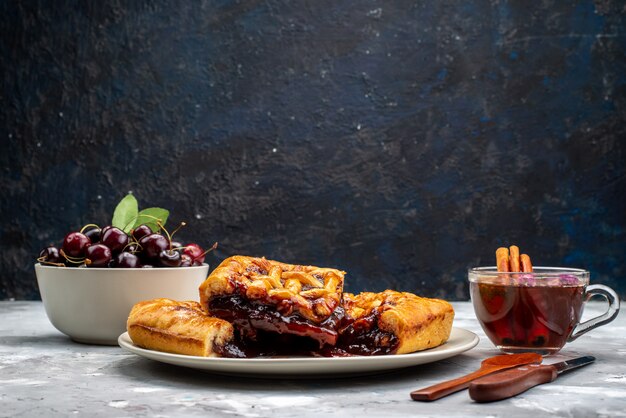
(93, 234)
(50, 255)
(115, 239)
(126, 260)
(97, 255)
(140, 232)
(170, 258)
(195, 252)
(75, 244)
(103, 230)
(185, 261)
(152, 245)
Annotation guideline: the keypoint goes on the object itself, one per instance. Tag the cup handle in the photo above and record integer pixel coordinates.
(610, 314)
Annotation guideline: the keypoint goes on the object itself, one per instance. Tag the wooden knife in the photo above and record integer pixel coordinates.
(511, 382)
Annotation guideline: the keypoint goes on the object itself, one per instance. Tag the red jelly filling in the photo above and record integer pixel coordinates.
(254, 321)
(233, 350)
(363, 337)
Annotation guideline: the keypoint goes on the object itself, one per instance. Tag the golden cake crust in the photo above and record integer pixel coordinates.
(177, 327)
(418, 323)
(312, 292)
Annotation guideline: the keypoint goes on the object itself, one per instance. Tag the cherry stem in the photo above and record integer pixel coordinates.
(132, 243)
(87, 226)
(75, 260)
(179, 226)
(169, 237)
(42, 260)
(207, 251)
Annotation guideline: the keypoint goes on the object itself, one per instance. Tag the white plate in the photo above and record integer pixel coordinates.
(460, 340)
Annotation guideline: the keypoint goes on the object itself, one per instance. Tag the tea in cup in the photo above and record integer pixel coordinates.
(536, 311)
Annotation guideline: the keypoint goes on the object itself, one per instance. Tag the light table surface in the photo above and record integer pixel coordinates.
(43, 373)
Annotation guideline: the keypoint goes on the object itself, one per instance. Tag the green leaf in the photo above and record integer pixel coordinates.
(125, 212)
(150, 216)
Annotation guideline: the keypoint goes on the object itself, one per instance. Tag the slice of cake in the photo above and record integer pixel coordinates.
(181, 328)
(262, 297)
(393, 322)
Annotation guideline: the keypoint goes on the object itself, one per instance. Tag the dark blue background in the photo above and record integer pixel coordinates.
(401, 141)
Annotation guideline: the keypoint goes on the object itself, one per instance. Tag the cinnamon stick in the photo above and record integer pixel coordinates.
(502, 259)
(515, 263)
(527, 266)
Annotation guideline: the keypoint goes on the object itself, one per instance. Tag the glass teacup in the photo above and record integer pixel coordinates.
(538, 311)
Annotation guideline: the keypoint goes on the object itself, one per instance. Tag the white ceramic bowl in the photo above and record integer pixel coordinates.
(91, 305)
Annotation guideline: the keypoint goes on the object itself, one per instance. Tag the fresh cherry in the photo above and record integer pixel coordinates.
(185, 261)
(115, 239)
(152, 245)
(50, 255)
(140, 232)
(169, 258)
(126, 260)
(105, 229)
(97, 255)
(93, 234)
(195, 252)
(75, 244)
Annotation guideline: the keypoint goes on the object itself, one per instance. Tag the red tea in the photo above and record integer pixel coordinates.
(527, 318)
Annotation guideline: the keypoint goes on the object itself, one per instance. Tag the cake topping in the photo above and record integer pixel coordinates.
(311, 292)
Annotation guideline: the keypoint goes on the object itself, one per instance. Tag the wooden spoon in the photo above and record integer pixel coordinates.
(488, 366)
